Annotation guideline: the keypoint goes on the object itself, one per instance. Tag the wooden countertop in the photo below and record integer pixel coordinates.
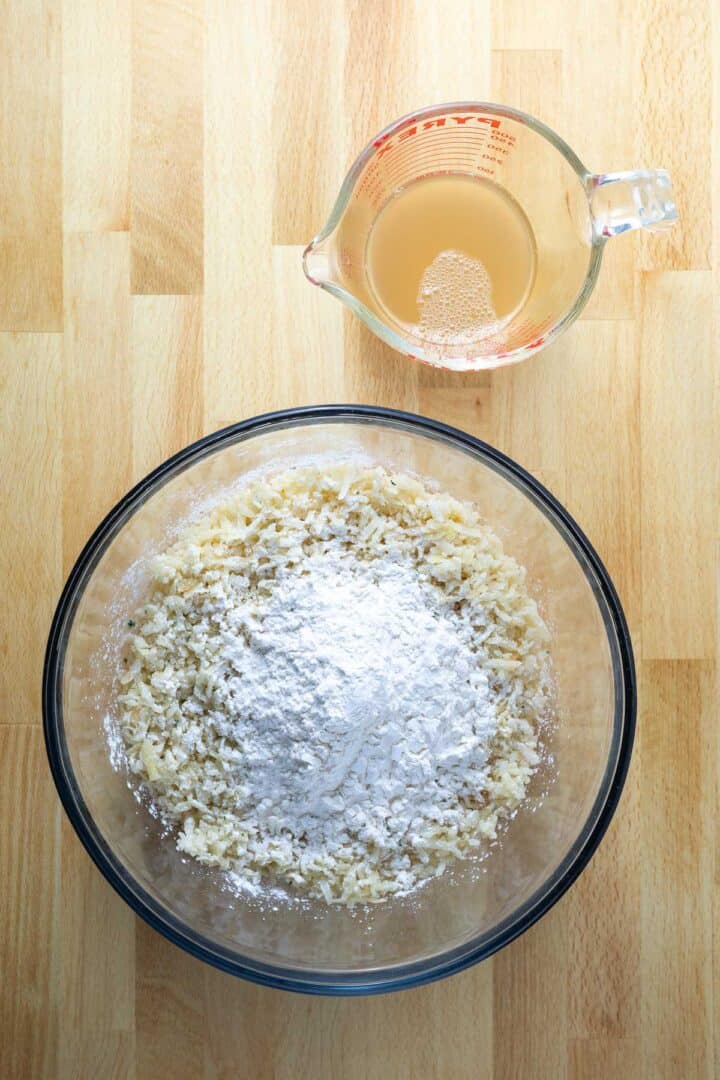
(162, 163)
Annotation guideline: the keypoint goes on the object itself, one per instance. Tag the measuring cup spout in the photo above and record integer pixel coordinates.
(317, 261)
(631, 200)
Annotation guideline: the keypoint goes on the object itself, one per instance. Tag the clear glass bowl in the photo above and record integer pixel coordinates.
(470, 911)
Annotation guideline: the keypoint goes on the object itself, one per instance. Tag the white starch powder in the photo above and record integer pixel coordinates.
(358, 705)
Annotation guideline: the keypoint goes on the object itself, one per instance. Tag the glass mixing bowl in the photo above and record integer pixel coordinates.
(470, 911)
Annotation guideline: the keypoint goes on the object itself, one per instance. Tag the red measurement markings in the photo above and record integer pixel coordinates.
(386, 143)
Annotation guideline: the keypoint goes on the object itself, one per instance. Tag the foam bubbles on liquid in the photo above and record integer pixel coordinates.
(455, 300)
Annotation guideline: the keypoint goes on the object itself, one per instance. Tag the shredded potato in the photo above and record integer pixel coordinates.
(273, 524)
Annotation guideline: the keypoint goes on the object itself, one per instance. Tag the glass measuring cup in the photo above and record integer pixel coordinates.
(570, 211)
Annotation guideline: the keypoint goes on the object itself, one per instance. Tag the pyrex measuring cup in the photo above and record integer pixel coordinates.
(570, 211)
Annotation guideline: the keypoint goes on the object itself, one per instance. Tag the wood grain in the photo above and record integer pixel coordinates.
(531, 996)
(682, 89)
(97, 393)
(166, 377)
(166, 188)
(31, 549)
(170, 1009)
(30, 920)
(162, 164)
(96, 954)
(589, 1058)
(453, 72)
(605, 976)
(679, 740)
(605, 366)
(679, 474)
(31, 173)
(300, 45)
(238, 292)
(532, 79)
(295, 373)
(605, 145)
(97, 73)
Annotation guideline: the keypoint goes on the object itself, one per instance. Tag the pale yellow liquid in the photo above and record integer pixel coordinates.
(450, 259)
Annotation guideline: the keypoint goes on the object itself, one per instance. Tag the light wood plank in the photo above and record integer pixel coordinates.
(97, 442)
(304, 365)
(673, 88)
(452, 71)
(238, 231)
(525, 400)
(171, 1026)
(31, 172)
(165, 376)
(300, 361)
(531, 997)
(376, 373)
(97, 957)
(30, 922)
(593, 1058)
(97, 51)
(518, 25)
(248, 1043)
(31, 548)
(605, 976)
(285, 1035)
(603, 365)
(679, 473)
(167, 139)
(383, 71)
(463, 401)
(532, 79)
(303, 42)
(678, 739)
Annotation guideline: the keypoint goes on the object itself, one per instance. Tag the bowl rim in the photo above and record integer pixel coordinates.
(377, 979)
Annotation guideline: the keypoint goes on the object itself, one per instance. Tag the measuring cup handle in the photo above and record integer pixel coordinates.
(631, 200)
